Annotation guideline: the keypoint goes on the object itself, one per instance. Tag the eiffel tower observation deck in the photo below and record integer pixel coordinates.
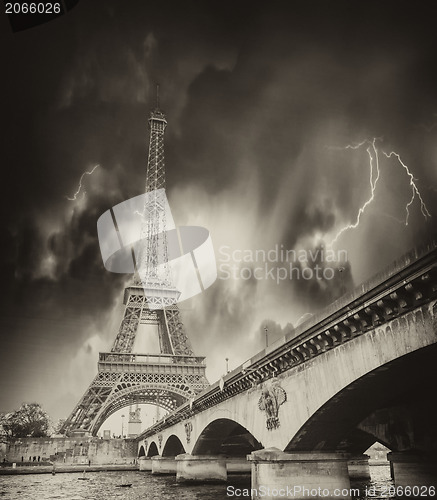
(124, 378)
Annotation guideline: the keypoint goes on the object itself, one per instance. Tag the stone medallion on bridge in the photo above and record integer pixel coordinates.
(188, 428)
(270, 401)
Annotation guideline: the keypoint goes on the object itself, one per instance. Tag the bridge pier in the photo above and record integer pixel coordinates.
(238, 465)
(413, 469)
(163, 465)
(358, 467)
(200, 468)
(276, 474)
(145, 463)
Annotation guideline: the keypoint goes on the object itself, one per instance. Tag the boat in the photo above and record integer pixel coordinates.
(83, 478)
(123, 484)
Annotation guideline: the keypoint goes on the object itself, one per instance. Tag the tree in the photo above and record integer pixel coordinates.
(30, 420)
(3, 432)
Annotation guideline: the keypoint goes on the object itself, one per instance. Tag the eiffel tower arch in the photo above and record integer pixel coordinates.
(125, 378)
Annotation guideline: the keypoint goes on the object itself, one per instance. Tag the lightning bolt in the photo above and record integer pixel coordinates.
(372, 152)
(76, 194)
(374, 166)
(414, 190)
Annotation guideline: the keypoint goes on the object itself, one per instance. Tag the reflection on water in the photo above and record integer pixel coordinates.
(103, 486)
(378, 486)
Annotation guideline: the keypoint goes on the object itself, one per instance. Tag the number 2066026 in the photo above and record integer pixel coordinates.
(404, 491)
(32, 8)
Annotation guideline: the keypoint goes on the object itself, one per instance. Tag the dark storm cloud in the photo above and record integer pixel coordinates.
(290, 96)
(225, 311)
(251, 92)
(60, 297)
(297, 89)
(60, 272)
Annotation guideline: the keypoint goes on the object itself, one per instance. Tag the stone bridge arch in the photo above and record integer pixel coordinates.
(173, 446)
(141, 452)
(152, 450)
(224, 436)
(390, 404)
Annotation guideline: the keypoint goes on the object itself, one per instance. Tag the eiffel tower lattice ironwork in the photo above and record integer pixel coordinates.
(125, 378)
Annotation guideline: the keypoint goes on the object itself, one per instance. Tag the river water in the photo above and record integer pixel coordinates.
(103, 486)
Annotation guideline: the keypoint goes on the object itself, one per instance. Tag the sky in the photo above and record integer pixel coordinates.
(262, 101)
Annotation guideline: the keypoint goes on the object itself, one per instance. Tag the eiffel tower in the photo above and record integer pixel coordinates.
(126, 378)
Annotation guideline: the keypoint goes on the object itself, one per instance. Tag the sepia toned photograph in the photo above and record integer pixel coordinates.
(219, 252)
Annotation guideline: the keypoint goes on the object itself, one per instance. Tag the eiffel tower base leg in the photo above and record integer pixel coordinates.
(200, 468)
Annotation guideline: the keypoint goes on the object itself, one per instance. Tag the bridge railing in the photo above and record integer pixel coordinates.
(402, 267)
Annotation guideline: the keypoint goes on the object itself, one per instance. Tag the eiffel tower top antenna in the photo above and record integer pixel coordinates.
(153, 268)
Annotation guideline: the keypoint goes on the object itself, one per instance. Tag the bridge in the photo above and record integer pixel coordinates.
(302, 412)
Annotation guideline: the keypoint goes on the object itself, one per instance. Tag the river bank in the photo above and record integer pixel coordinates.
(63, 468)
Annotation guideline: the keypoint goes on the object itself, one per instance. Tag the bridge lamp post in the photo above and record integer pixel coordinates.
(267, 335)
(342, 289)
(227, 366)
(122, 426)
